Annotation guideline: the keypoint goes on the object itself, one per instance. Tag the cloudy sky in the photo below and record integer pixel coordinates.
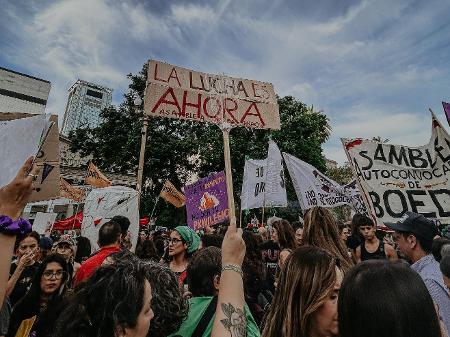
(373, 67)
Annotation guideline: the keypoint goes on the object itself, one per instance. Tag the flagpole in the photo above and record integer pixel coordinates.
(75, 216)
(154, 207)
(226, 151)
(137, 104)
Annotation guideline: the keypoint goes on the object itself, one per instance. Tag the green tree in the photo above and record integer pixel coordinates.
(177, 149)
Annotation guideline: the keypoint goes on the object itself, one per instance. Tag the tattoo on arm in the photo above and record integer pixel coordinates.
(236, 321)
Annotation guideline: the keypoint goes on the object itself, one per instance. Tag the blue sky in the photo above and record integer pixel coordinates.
(373, 67)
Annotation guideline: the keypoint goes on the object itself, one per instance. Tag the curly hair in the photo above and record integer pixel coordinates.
(168, 304)
(107, 302)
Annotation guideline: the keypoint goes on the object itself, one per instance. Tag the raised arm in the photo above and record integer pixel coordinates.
(230, 319)
(13, 198)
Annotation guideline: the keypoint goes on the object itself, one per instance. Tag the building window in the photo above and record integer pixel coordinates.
(94, 93)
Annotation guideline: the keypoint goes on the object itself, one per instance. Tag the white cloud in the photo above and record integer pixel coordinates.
(193, 14)
(371, 69)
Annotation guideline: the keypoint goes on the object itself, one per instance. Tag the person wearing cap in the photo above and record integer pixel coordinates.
(414, 237)
(66, 247)
(183, 242)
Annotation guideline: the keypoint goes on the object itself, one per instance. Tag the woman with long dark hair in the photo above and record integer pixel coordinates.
(40, 307)
(284, 235)
(305, 302)
(383, 299)
(321, 230)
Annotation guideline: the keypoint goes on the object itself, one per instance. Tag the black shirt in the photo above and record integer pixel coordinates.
(23, 283)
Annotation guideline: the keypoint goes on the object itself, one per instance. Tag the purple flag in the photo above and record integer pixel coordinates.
(447, 111)
(207, 201)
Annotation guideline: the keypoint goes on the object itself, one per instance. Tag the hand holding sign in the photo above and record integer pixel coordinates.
(15, 195)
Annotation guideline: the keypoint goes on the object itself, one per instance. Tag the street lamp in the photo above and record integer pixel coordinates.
(138, 106)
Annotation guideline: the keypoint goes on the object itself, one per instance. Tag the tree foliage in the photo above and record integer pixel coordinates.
(177, 150)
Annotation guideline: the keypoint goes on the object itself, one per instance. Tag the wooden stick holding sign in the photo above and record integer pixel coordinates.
(180, 93)
(226, 152)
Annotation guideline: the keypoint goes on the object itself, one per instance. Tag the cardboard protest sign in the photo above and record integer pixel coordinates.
(21, 135)
(313, 188)
(207, 201)
(176, 92)
(102, 204)
(172, 195)
(396, 178)
(95, 177)
(263, 183)
(43, 222)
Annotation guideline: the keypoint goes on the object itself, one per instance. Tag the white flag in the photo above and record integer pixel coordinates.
(275, 187)
(263, 183)
(253, 184)
(315, 189)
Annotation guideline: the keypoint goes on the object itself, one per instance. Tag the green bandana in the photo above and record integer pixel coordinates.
(190, 237)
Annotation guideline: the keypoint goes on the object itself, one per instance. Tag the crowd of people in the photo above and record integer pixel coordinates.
(315, 278)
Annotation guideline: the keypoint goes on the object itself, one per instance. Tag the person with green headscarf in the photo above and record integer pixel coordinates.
(183, 242)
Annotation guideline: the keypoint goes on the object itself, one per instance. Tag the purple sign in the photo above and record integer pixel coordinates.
(447, 111)
(207, 201)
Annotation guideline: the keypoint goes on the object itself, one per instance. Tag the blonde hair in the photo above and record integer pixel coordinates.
(321, 230)
(308, 277)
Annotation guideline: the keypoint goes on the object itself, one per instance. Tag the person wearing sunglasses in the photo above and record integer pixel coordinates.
(182, 243)
(37, 312)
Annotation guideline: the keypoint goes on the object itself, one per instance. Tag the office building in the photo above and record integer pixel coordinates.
(22, 93)
(86, 101)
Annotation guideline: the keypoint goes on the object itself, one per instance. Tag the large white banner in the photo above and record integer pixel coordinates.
(315, 189)
(396, 178)
(102, 204)
(263, 184)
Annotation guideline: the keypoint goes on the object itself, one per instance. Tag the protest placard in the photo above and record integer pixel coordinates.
(21, 135)
(397, 178)
(207, 201)
(181, 93)
(102, 204)
(313, 188)
(43, 222)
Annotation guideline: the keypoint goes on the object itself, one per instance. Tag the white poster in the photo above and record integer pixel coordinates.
(19, 140)
(397, 178)
(313, 188)
(263, 183)
(102, 204)
(43, 222)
